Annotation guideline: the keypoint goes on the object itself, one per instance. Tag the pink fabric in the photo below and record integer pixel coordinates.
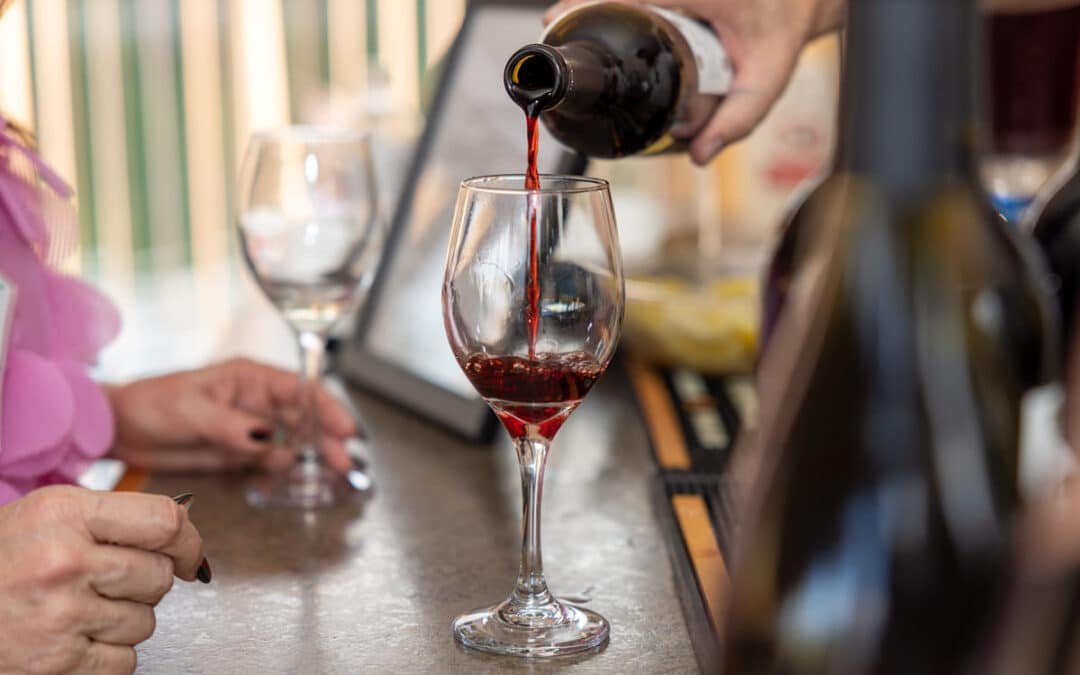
(54, 419)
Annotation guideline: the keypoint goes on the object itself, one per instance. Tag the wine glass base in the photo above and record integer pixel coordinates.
(304, 486)
(557, 629)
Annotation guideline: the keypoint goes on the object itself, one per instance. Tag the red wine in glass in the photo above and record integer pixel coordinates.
(540, 391)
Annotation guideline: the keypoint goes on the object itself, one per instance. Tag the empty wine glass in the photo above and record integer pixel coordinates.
(311, 235)
(533, 303)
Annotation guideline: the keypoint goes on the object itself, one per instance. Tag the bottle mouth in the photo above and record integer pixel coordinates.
(534, 77)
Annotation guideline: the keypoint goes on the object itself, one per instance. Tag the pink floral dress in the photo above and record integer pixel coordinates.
(54, 419)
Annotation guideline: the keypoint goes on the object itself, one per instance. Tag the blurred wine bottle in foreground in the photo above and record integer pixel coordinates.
(614, 79)
(1033, 90)
(878, 534)
(1038, 123)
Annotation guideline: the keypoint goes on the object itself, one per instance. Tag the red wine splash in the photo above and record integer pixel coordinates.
(540, 392)
(532, 182)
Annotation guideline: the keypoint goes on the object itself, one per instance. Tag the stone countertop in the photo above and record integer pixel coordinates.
(372, 587)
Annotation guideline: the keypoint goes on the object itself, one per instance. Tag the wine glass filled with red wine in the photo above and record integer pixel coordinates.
(533, 302)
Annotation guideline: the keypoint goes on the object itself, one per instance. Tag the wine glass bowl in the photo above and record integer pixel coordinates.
(311, 235)
(533, 302)
(579, 268)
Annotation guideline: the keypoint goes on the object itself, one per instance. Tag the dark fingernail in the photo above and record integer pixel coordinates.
(260, 435)
(185, 499)
(359, 464)
(203, 573)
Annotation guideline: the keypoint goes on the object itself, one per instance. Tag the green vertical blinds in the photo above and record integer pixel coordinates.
(154, 100)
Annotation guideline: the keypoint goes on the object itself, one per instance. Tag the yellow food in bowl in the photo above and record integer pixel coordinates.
(711, 327)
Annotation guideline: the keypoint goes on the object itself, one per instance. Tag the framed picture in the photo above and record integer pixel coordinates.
(399, 349)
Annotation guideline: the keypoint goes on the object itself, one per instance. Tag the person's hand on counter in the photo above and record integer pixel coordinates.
(219, 417)
(81, 574)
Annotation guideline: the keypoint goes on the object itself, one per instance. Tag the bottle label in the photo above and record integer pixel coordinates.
(1045, 456)
(713, 65)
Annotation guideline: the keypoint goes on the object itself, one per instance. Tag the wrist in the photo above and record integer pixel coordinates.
(112, 396)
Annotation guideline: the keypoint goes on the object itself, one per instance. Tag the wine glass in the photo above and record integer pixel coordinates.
(311, 236)
(533, 302)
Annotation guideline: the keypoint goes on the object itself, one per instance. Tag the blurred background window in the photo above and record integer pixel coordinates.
(145, 106)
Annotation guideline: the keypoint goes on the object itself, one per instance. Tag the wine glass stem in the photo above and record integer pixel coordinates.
(531, 588)
(312, 349)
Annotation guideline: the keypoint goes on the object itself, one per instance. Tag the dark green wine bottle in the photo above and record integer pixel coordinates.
(877, 536)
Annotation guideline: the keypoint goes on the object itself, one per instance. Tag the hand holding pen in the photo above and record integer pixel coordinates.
(88, 568)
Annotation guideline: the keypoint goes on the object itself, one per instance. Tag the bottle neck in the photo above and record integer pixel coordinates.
(570, 77)
(910, 88)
